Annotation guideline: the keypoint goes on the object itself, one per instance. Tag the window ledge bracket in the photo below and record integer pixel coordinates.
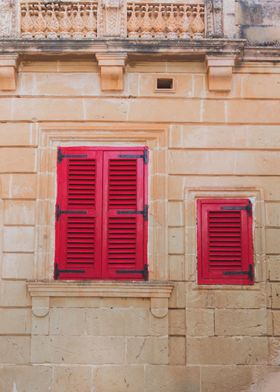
(41, 291)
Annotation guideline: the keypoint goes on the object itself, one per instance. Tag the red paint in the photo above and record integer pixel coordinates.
(224, 240)
(101, 241)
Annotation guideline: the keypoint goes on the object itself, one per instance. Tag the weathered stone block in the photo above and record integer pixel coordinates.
(225, 378)
(26, 378)
(14, 350)
(72, 379)
(18, 212)
(175, 214)
(176, 240)
(276, 323)
(14, 294)
(176, 267)
(177, 322)
(18, 265)
(118, 379)
(200, 322)
(240, 322)
(172, 378)
(177, 350)
(88, 349)
(150, 350)
(18, 239)
(274, 268)
(275, 295)
(15, 321)
(227, 351)
(177, 299)
(14, 160)
(19, 186)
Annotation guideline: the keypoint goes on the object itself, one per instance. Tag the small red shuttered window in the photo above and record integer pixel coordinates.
(101, 213)
(224, 238)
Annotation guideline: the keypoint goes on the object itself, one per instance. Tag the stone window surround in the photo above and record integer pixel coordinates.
(158, 289)
(257, 198)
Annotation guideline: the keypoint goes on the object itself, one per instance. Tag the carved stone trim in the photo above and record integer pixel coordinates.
(8, 72)
(219, 71)
(112, 18)
(111, 70)
(158, 292)
(214, 18)
(9, 18)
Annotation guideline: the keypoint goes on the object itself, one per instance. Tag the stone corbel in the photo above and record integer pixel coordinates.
(219, 70)
(111, 70)
(8, 72)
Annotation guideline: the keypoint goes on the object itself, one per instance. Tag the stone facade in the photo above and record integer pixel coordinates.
(215, 133)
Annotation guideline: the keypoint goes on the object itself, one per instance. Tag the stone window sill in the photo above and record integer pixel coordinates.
(157, 291)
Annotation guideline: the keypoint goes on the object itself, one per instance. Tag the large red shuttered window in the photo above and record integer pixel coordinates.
(224, 239)
(101, 213)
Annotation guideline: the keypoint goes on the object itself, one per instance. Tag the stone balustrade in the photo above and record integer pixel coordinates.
(111, 18)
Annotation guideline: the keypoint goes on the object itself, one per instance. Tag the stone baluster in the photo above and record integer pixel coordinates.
(146, 25)
(27, 23)
(184, 23)
(197, 25)
(52, 22)
(133, 24)
(159, 23)
(39, 23)
(171, 24)
(90, 22)
(65, 23)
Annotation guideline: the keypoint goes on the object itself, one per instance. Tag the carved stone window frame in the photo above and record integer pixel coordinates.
(53, 135)
(257, 198)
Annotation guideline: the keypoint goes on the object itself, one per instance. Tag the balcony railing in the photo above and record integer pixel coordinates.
(113, 18)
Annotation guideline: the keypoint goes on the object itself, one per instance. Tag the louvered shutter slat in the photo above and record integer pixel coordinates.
(224, 241)
(78, 236)
(123, 234)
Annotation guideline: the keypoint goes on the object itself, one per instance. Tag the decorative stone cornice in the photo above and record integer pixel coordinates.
(157, 292)
(111, 70)
(219, 70)
(8, 72)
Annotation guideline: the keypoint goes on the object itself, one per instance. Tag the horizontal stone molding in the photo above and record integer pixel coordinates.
(158, 292)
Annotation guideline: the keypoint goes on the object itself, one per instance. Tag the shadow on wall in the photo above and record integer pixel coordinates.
(259, 21)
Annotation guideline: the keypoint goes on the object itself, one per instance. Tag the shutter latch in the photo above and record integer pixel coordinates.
(60, 155)
(144, 212)
(59, 212)
(129, 156)
(250, 272)
(144, 272)
(58, 271)
(247, 208)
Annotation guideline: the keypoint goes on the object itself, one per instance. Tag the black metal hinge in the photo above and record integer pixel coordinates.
(144, 272)
(58, 271)
(247, 208)
(250, 272)
(144, 156)
(143, 212)
(59, 212)
(60, 155)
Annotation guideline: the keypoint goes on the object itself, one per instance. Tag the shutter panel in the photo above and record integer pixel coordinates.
(225, 249)
(124, 226)
(79, 209)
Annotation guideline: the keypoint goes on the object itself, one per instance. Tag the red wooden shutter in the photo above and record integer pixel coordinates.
(78, 213)
(225, 248)
(125, 214)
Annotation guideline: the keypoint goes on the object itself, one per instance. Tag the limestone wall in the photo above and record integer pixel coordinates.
(202, 144)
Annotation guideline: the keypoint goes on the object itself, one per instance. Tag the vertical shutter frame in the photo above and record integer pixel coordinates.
(225, 243)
